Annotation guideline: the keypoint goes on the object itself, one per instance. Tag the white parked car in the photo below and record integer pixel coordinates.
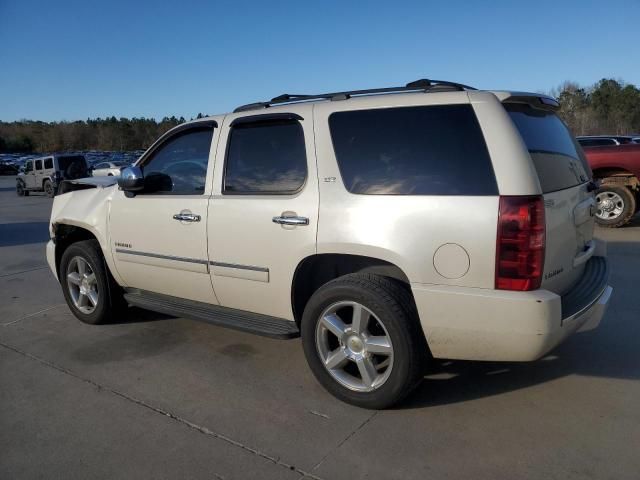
(387, 227)
(108, 169)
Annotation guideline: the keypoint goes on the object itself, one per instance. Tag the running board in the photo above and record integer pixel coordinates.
(256, 323)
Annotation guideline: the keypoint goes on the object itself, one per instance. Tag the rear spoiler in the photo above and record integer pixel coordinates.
(536, 100)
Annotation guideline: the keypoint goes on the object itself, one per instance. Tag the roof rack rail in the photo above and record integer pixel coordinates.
(423, 84)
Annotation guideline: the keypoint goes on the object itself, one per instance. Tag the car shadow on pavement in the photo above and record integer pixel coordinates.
(584, 354)
(12, 234)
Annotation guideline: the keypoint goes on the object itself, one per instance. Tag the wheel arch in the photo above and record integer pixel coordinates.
(617, 176)
(65, 235)
(316, 270)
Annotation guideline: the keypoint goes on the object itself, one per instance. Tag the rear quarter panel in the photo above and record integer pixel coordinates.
(404, 230)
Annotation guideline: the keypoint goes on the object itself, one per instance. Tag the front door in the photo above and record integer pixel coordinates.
(264, 211)
(159, 236)
(29, 175)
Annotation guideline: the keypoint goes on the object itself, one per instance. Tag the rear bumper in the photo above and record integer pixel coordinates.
(495, 325)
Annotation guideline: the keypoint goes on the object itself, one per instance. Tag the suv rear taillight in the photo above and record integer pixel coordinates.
(520, 243)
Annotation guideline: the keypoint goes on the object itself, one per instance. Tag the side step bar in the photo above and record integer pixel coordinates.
(256, 323)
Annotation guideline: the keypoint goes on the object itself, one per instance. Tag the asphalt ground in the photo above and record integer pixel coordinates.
(160, 397)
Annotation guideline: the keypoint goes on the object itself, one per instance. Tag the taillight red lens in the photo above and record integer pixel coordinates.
(520, 243)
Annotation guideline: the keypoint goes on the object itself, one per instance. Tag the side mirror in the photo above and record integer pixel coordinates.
(131, 179)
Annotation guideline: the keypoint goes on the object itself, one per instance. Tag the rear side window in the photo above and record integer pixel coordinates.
(433, 150)
(265, 158)
(558, 159)
(48, 163)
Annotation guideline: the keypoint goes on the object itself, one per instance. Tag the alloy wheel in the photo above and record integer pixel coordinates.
(82, 285)
(354, 346)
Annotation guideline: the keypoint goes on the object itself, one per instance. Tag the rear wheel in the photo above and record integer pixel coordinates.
(616, 205)
(88, 288)
(48, 189)
(362, 340)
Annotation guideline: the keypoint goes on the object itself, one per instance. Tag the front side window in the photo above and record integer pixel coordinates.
(28, 167)
(179, 166)
(430, 150)
(265, 158)
(38, 164)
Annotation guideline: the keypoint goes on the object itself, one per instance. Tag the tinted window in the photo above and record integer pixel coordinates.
(38, 164)
(28, 166)
(48, 163)
(596, 142)
(435, 150)
(179, 166)
(557, 157)
(101, 165)
(266, 157)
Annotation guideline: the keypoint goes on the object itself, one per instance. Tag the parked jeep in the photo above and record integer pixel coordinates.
(618, 170)
(387, 227)
(45, 174)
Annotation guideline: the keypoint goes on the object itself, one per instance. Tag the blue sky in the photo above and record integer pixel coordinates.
(67, 60)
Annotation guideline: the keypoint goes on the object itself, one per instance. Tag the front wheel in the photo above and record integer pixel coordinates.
(20, 191)
(362, 340)
(88, 288)
(615, 206)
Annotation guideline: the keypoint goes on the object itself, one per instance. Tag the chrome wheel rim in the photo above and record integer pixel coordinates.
(354, 346)
(610, 205)
(82, 285)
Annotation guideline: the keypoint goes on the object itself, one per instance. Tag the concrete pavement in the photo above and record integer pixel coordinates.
(157, 397)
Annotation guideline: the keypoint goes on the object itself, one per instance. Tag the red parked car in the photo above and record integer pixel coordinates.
(618, 169)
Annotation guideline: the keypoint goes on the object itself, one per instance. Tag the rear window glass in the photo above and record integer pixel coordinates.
(557, 157)
(433, 150)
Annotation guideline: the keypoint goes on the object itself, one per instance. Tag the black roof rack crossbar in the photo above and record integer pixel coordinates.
(418, 85)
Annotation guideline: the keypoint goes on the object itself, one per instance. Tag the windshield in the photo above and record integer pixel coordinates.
(557, 157)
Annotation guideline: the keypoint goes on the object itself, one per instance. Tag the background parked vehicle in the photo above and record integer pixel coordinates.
(108, 169)
(8, 169)
(604, 140)
(618, 169)
(45, 174)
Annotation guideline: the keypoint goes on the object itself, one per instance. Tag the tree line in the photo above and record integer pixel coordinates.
(607, 107)
(122, 134)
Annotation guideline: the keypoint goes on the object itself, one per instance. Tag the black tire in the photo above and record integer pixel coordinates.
(624, 199)
(20, 191)
(393, 305)
(110, 303)
(47, 186)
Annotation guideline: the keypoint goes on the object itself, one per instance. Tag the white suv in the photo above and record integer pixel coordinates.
(388, 227)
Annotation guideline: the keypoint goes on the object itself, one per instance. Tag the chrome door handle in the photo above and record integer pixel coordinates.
(291, 220)
(186, 217)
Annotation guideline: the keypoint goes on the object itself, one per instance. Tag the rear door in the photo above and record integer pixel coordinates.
(564, 176)
(264, 212)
